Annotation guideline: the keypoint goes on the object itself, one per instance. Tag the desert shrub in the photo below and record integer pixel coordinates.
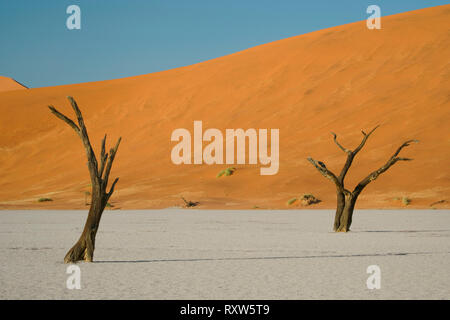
(44, 199)
(189, 203)
(406, 201)
(308, 199)
(227, 172)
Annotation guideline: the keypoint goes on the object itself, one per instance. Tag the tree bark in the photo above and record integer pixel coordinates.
(83, 250)
(345, 220)
(339, 209)
(346, 199)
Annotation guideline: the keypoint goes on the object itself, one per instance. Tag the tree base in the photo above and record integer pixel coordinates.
(80, 252)
(342, 230)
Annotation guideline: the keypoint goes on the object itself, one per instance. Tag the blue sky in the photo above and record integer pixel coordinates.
(120, 38)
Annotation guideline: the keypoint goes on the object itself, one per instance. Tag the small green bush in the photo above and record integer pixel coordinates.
(44, 199)
(227, 172)
(291, 201)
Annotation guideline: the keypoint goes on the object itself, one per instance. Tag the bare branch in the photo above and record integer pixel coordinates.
(103, 157)
(82, 132)
(77, 112)
(111, 190)
(325, 172)
(93, 165)
(112, 154)
(338, 144)
(363, 142)
(375, 174)
(351, 154)
(102, 165)
(103, 146)
(64, 118)
(405, 144)
(348, 163)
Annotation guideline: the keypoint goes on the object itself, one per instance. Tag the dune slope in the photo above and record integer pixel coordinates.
(341, 79)
(8, 84)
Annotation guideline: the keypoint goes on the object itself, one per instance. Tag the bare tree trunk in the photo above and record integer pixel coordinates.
(339, 209)
(345, 220)
(84, 247)
(346, 199)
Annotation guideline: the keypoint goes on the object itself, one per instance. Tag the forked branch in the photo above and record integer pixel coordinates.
(65, 119)
(392, 160)
(99, 176)
(111, 190)
(363, 142)
(351, 153)
(320, 166)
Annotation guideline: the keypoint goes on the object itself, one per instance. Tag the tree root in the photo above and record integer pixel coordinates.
(80, 252)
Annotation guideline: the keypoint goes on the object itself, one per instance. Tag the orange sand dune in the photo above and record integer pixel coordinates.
(8, 84)
(341, 79)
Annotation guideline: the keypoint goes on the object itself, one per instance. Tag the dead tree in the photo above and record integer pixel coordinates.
(346, 199)
(84, 247)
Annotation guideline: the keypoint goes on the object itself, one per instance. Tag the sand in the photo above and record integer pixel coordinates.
(8, 84)
(209, 254)
(341, 79)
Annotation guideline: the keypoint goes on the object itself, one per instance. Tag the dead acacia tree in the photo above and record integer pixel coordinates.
(346, 199)
(84, 247)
